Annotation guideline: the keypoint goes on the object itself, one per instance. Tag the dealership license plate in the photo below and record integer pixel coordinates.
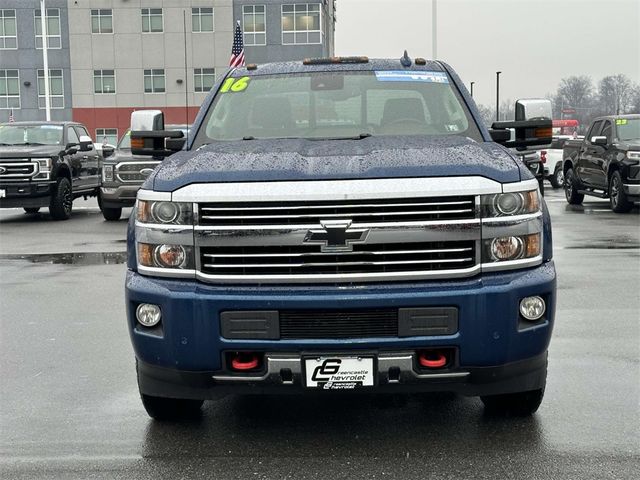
(339, 373)
(3, 193)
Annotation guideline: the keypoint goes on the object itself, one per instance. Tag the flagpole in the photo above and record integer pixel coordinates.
(45, 59)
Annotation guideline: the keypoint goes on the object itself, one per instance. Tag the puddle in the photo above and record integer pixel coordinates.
(621, 243)
(83, 258)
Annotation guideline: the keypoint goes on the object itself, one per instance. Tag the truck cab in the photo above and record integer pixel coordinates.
(340, 225)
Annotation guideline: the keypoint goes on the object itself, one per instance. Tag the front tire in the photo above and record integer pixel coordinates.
(163, 409)
(571, 188)
(617, 198)
(557, 179)
(31, 210)
(521, 404)
(111, 214)
(62, 200)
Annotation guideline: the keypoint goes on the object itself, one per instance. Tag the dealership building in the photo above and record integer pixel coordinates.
(109, 57)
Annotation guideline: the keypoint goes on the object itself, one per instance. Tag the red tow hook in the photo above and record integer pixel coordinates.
(432, 359)
(245, 361)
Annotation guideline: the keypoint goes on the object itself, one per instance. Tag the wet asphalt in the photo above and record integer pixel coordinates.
(69, 406)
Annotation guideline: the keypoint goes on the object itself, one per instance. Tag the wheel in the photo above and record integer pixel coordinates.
(617, 198)
(111, 214)
(557, 178)
(32, 210)
(160, 408)
(61, 200)
(571, 188)
(521, 404)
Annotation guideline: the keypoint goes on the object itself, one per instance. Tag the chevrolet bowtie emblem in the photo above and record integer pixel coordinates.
(336, 236)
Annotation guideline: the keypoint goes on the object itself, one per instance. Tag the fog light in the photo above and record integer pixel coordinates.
(532, 308)
(148, 314)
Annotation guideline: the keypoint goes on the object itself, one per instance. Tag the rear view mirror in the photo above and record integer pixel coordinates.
(148, 136)
(532, 127)
(602, 141)
(86, 144)
(107, 151)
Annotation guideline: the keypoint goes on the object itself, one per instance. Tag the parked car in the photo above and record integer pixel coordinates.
(534, 162)
(554, 157)
(340, 224)
(606, 163)
(47, 164)
(124, 173)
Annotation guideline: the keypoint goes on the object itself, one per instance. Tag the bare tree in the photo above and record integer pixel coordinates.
(487, 114)
(575, 92)
(635, 100)
(615, 93)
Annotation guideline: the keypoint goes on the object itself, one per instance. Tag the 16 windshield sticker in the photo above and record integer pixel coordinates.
(411, 76)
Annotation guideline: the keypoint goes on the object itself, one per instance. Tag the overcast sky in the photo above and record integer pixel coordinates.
(534, 43)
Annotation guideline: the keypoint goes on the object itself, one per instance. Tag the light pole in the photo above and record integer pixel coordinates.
(434, 29)
(45, 59)
(498, 96)
(472, 89)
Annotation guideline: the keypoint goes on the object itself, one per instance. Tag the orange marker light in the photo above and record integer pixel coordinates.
(145, 254)
(532, 245)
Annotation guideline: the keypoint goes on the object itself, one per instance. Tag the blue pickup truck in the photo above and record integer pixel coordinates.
(340, 225)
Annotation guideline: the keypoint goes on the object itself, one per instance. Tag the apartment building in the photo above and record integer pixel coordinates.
(108, 58)
(22, 84)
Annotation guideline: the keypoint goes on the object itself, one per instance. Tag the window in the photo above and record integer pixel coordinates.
(301, 24)
(595, 129)
(606, 131)
(72, 136)
(56, 89)
(254, 25)
(104, 81)
(9, 89)
(107, 135)
(102, 21)
(202, 20)
(8, 35)
(203, 79)
(52, 21)
(81, 131)
(154, 80)
(152, 20)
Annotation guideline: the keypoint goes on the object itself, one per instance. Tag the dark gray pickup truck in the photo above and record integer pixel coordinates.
(47, 164)
(606, 163)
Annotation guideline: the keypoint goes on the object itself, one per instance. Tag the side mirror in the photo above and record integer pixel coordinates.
(532, 127)
(107, 151)
(148, 136)
(602, 141)
(86, 144)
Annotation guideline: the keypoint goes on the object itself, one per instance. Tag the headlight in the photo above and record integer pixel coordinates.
(164, 213)
(508, 248)
(44, 164)
(633, 155)
(165, 256)
(513, 203)
(107, 173)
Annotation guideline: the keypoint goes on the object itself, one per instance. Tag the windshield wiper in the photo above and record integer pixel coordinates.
(354, 137)
(29, 143)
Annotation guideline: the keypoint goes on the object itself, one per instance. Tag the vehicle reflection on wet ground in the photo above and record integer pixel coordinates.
(69, 406)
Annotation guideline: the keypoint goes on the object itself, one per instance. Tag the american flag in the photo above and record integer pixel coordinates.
(11, 119)
(237, 51)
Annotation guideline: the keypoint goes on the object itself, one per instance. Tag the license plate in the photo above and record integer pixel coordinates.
(3, 193)
(339, 373)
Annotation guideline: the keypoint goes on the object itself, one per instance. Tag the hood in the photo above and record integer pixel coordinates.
(27, 151)
(633, 145)
(372, 157)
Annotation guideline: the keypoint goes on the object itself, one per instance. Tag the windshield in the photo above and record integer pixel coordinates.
(337, 105)
(628, 128)
(30, 134)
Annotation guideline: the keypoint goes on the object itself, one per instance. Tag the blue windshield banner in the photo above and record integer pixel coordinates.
(411, 76)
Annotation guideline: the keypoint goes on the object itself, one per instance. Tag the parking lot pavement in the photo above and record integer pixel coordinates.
(69, 407)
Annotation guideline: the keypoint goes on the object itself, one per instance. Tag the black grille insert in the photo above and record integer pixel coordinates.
(338, 324)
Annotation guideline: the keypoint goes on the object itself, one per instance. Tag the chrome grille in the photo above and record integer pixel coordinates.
(17, 170)
(364, 259)
(130, 172)
(359, 211)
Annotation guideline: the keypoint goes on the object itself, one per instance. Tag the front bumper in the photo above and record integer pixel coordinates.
(26, 194)
(188, 346)
(632, 191)
(119, 196)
